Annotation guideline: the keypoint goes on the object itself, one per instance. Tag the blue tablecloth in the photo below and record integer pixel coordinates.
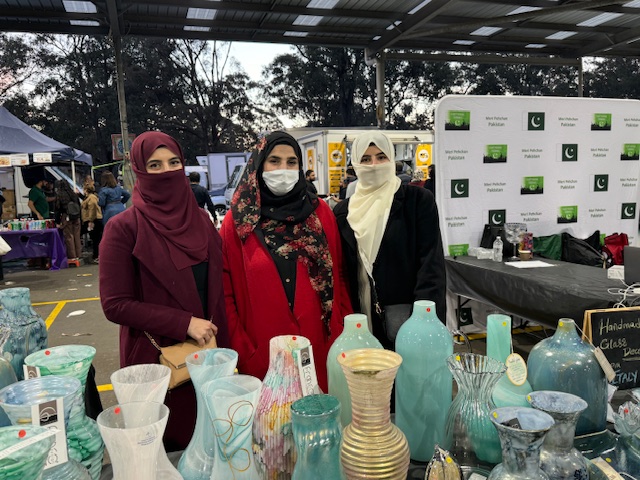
(37, 243)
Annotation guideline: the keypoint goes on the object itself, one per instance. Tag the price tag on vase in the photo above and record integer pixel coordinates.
(51, 415)
(516, 369)
(307, 369)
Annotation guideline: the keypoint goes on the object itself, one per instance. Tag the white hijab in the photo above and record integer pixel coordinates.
(370, 205)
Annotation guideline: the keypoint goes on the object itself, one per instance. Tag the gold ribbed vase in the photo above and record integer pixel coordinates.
(372, 446)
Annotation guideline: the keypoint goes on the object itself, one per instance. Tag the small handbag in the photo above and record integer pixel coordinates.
(174, 357)
(392, 316)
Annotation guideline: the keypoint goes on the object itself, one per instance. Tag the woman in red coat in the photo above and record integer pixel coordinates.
(282, 256)
(161, 271)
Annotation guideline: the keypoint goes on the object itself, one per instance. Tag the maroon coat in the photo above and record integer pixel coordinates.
(160, 299)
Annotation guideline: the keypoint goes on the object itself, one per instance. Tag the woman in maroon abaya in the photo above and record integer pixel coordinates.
(161, 271)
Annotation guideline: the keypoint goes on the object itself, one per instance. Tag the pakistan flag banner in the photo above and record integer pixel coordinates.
(555, 164)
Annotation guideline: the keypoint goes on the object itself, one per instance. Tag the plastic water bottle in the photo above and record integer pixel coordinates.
(497, 249)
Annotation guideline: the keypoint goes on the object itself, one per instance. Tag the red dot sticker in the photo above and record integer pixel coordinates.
(343, 355)
(626, 410)
(358, 325)
(195, 356)
(428, 309)
(116, 410)
(22, 433)
(294, 338)
(47, 352)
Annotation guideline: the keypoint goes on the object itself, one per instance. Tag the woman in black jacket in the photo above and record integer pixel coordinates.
(68, 214)
(391, 240)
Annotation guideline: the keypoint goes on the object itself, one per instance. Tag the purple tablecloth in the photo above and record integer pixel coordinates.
(37, 243)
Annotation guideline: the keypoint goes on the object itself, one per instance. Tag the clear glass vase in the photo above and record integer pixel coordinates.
(317, 432)
(470, 436)
(372, 446)
(355, 335)
(196, 463)
(7, 373)
(558, 458)
(505, 393)
(85, 443)
(522, 431)
(231, 403)
(146, 383)
(424, 384)
(273, 445)
(133, 434)
(28, 462)
(28, 330)
(18, 399)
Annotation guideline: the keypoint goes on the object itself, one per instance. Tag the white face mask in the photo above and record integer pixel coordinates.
(374, 176)
(281, 182)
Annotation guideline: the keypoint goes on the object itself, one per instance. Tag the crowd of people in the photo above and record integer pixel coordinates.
(282, 263)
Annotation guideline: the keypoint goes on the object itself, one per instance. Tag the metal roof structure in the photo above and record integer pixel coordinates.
(534, 31)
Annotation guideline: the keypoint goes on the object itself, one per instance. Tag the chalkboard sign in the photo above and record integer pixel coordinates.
(617, 332)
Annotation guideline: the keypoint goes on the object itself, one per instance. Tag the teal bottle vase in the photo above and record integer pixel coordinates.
(196, 462)
(83, 435)
(355, 335)
(470, 436)
(231, 403)
(565, 363)
(522, 431)
(28, 332)
(317, 433)
(424, 383)
(505, 394)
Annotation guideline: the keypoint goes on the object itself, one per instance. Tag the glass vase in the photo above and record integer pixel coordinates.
(372, 446)
(231, 403)
(28, 330)
(424, 383)
(7, 373)
(317, 433)
(558, 458)
(133, 434)
(85, 443)
(196, 462)
(470, 437)
(626, 457)
(505, 393)
(355, 335)
(565, 363)
(28, 462)
(18, 399)
(522, 431)
(146, 383)
(273, 446)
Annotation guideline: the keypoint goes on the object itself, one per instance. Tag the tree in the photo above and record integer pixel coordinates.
(612, 78)
(16, 64)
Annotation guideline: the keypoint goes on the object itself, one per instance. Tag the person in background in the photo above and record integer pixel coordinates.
(417, 179)
(112, 197)
(38, 203)
(283, 269)
(404, 177)
(310, 176)
(92, 217)
(391, 237)
(68, 213)
(161, 272)
(202, 195)
(430, 183)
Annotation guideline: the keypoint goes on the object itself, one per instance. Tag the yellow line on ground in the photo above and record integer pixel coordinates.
(105, 388)
(52, 316)
(91, 299)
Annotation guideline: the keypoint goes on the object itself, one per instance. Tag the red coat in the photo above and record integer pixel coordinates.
(257, 306)
(160, 299)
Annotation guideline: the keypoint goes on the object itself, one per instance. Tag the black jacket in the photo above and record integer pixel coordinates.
(410, 263)
(203, 198)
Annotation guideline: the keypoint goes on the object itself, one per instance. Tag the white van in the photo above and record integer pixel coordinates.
(234, 180)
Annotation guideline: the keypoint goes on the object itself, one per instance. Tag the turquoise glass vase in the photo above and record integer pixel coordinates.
(7, 373)
(28, 462)
(28, 330)
(196, 463)
(470, 437)
(18, 399)
(355, 335)
(565, 363)
(506, 393)
(424, 383)
(317, 434)
(83, 435)
(232, 402)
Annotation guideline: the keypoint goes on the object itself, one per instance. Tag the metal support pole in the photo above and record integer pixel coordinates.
(380, 107)
(127, 173)
(580, 78)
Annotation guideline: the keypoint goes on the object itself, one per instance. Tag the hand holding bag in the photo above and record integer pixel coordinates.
(174, 357)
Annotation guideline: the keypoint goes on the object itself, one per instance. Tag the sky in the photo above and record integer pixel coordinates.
(254, 56)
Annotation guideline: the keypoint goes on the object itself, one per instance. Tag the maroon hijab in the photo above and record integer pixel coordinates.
(165, 207)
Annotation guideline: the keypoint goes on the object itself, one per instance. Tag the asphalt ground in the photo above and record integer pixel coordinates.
(68, 301)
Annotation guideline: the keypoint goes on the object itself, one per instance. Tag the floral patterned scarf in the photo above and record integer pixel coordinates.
(289, 223)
